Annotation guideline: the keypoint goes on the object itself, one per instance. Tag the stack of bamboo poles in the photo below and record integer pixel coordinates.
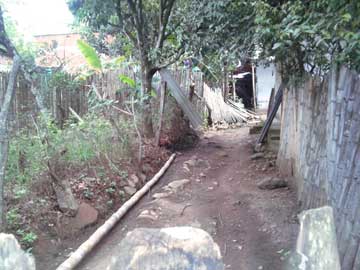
(229, 111)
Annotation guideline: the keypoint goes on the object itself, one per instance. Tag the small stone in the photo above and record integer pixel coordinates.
(260, 267)
(272, 183)
(142, 177)
(186, 167)
(130, 190)
(160, 195)
(257, 156)
(223, 154)
(202, 175)
(191, 162)
(133, 181)
(259, 148)
(146, 168)
(148, 214)
(210, 188)
(177, 185)
(216, 183)
(230, 179)
(198, 180)
(239, 247)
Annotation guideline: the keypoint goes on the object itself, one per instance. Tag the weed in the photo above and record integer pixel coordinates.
(88, 194)
(13, 217)
(27, 238)
(110, 203)
(110, 190)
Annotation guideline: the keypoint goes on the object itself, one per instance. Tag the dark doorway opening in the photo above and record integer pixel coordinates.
(244, 84)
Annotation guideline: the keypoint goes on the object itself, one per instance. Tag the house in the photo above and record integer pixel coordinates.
(57, 49)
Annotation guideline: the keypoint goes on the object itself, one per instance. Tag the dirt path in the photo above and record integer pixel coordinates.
(250, 225)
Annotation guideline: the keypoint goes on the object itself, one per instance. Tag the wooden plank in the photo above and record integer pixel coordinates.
(274, 109)
(271, 101)
(181, 98)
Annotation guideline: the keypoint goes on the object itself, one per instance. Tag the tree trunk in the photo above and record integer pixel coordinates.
(146, 78)
(4, 136)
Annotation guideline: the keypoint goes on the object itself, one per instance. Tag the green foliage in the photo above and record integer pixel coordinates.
(25, 160)
(90, 55)
(127, 80)
(27, 237)
(62, 80)
(83, 143)
(12, 218)
(309, 33)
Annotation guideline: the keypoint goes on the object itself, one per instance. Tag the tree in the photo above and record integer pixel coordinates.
(148, 25)
(309, 35)
(224, 34)
(6, 50)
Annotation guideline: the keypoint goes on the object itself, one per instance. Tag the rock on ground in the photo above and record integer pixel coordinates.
(65, 198)
(317, 240)
(177, 185)
(272, 183)
(183, 248)
(12, 257)
(257, 156)
(130, 190)
(86, 216)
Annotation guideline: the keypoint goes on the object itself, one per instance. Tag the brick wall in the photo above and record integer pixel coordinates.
(320, 147)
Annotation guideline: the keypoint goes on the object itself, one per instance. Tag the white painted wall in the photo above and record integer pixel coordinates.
(265, 80)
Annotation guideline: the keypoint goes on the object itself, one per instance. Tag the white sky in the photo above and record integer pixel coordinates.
(40, 17)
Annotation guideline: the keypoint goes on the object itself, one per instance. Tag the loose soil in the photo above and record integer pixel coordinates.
(252, 227)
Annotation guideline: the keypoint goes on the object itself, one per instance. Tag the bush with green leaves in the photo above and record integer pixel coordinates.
(83, 142)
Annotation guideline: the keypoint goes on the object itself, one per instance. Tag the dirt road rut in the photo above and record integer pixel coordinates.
(218, 193)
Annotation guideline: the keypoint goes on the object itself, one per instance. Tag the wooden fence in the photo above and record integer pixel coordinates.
(59, 99)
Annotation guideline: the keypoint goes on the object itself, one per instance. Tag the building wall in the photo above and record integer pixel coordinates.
(61, 48)
(265, 81)
(320, 147)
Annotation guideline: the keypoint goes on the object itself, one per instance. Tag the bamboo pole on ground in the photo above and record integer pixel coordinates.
(104, 229)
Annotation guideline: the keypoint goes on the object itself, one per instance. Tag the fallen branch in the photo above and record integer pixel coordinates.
(122, 111)
(96, 237)
(76, 115)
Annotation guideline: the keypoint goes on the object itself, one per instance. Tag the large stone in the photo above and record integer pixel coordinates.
(86, 216)
(181, 248)
(65, 198)
(12, 257)
(272, 183)
(316, 244)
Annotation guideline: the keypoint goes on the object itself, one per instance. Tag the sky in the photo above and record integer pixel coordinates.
(40, 17)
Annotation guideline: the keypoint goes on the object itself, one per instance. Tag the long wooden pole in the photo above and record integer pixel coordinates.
(253, 84)
(96, 237)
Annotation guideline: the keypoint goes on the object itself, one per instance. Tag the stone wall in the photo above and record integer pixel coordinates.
(320, 147)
